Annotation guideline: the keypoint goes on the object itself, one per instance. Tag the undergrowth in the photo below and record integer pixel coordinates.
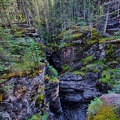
(18, 56)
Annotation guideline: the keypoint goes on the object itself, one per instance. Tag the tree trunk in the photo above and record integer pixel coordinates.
(107, 17)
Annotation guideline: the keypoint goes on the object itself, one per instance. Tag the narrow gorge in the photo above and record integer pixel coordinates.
(59, 59)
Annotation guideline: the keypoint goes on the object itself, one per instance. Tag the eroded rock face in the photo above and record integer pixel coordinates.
(53, 100)
(77, 88)
(20, 101)
(76, 92)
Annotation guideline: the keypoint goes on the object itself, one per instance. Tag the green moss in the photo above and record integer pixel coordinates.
(83, 68)
(53, 79)
(77, 35)
(77, 72)
(87, 60)
(110, 76)
(39, 99)
(95, 37)
(104, 113)
(65, 68)
(92, 68)
(72, 36)
(105, 39)
(110, 50)
(96, 66)
(65, 45)
(91, 42)
(95, 34)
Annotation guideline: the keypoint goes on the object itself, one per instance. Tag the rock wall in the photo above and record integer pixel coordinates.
(23, 97)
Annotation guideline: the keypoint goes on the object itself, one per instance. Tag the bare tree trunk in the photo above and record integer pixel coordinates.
(107, 17)
(84, 3)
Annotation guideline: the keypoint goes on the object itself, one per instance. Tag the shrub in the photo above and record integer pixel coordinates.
(110, 76)
(104, 113)
(94, 106)
(115, 89)
(51, 70)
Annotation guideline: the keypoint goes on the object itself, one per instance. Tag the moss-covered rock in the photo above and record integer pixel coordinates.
(40, 99)
(88, 59)
(53, 79)
(78, 72)
(95, 37)
(66, 68)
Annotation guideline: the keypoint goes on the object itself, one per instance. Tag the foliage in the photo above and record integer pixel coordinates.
(87, 59)
(52, 74)
(8, 87)
(104, 113)
(19, 56)
(105, 39)
(51, 71)
(117, 34)
(115, 89)
(78, 72)
(39, 99)
(110, 76)
(65, 67)
(53, 79)
(94, 106)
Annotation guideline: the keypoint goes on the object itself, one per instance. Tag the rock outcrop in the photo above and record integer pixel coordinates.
(76, 92)
(53, 100)
(22, 97)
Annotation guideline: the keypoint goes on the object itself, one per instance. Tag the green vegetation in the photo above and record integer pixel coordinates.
(110, 76)
(115, 89)
(53, 79)
(104, 113)
(29, 28)
(19, 56)
(66, 67)
(78, 72)
(40, 99)
(94, 106)
(95, 36)
(87, 60)
(51, 71)
(98, 111)
(39, 117)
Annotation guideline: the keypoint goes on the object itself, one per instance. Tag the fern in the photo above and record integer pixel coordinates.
(94, 106)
